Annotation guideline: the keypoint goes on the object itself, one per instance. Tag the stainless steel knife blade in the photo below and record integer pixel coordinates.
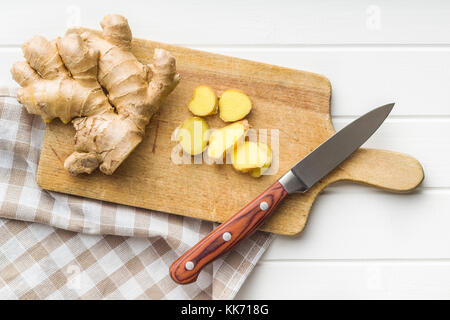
(327, 156)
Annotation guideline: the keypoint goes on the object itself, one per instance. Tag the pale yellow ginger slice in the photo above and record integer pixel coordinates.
(257, 172)
(252, 157)
(226, 138)
(204, 102)
(193, 135)
(234, 105)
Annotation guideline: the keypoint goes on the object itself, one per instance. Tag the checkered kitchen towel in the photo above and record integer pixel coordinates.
(56, 246)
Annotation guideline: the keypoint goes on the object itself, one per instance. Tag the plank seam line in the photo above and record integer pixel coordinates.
(394, 117)
(300, 46)
(318, 45)
(422, 189)
(268, 261)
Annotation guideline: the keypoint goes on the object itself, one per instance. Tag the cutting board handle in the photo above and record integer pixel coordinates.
(388, 170)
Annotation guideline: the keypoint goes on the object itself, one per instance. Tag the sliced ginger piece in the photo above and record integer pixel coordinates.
(234, 105)
(257, 172)
(253, 157)
(193, 135)
(249, 155)
(226, 138)
(204, 101)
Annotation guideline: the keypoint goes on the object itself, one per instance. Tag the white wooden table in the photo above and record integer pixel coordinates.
(360, 242)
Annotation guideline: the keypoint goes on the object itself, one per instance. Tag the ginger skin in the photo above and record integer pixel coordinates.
(65, 78)
(49, 90)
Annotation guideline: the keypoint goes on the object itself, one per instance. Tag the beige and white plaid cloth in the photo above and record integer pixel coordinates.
(56, 246)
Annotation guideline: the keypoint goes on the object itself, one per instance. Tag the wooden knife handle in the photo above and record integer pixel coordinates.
(187, 267)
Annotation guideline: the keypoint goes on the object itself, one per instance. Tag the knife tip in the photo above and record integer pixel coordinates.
(388, 107)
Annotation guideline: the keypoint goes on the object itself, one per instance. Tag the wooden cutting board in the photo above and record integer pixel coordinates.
(295, 102)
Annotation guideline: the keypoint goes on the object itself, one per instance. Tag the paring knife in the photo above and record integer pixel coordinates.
(300, 178)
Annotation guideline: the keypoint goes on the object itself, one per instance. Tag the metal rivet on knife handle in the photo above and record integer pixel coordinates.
(226, 236)
(263, 206)
(189, 265)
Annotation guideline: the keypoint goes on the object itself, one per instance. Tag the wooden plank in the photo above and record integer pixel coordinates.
(151, 180)
(385, 226)
(361, 78)
(240, 22)
(364, 77)
(424, 138)
(348, 280)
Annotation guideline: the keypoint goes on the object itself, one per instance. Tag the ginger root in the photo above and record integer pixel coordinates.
(204, 102)
(252, 157)
(226, 138)
(67, 79)
(193, 135)
(234, 105)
